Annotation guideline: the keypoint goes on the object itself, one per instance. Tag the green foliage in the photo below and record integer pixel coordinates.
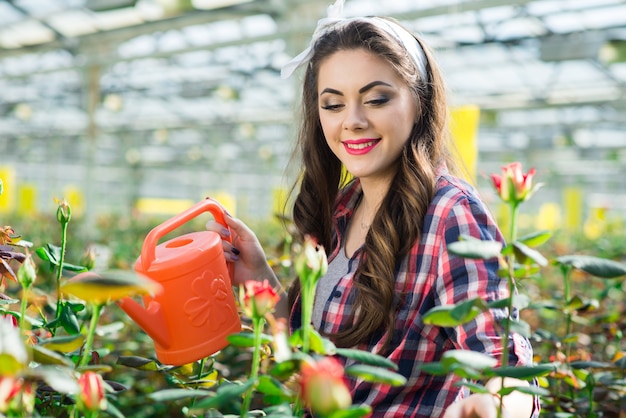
(571, 301)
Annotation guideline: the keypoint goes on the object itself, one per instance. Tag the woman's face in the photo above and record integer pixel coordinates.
(366, 111)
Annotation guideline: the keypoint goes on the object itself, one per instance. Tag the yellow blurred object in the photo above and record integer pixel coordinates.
(280, 196)
(595, 224)
(156, 206)
(227, 201)
(573, 203)
(75, 198)
(65, 344)
(7, 198)
(549, 217)
(27, 199)
(108, 286)
(464, 122)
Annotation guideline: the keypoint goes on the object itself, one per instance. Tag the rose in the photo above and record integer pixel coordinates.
(311, 263)
(91, 392)
(258, 298)
(64, 211)
(323, 386)
(513, 186)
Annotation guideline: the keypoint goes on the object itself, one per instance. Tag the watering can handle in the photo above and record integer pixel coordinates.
(149, 245)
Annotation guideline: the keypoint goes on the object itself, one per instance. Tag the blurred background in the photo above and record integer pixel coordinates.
(133, 107)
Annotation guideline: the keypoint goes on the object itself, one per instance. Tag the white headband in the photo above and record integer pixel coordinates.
(334, 20)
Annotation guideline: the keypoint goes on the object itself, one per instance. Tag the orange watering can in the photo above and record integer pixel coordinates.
(191, 318)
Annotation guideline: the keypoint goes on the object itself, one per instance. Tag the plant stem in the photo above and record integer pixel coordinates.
(514, 207)
(60, 272)
(23, 309)
(514, 215)
(97, 309)
(308, 293)
(201, 368)
(257, 324)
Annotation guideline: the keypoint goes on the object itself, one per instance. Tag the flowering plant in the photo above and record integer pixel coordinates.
(50, 365)
(520, 261)
(57, 345)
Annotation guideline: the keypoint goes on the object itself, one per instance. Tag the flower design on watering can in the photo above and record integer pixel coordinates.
(210, 303)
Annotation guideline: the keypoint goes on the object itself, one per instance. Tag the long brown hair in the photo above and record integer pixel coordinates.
(398, 222)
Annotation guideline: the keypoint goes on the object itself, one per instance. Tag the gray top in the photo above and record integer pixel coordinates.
(337, 268)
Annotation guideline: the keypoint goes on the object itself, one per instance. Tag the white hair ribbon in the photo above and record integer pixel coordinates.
(334, 19)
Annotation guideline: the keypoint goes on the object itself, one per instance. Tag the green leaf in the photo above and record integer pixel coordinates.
(575, 303)
(525, 271)
(367, 358)
(226, 393)
(9, 365)
(468, 358)
(529, 390)
(591, 365)
(596, 266)
(285, 369)
(520, 301)
(68, 319)
(454, 315)
(521, 327)
(98, 368)
(283, 410)
(376, 374)
(269, 386)
(168, 395)
(316, 342)
(8, 301)
(60, 379)
(74, 268)
(354, 411)
(64, 344)
(535, 239)
(524, 253)
(434, 368)
(470, 247)
(246, 339)
(50, 253)
(295, 339)
(107, 286)
(140, 363)
(523, 372)
(44, 356)
(473, 387)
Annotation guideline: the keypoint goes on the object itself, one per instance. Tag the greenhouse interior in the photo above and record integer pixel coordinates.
(131, 111)
(154, 104)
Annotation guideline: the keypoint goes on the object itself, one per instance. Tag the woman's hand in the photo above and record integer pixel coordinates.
(483, 405)
(246, 252)
(486, 405)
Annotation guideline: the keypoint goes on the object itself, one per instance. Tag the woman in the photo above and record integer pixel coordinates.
(374, 104)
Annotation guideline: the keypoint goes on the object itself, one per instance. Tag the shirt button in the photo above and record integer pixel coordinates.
(336, 294)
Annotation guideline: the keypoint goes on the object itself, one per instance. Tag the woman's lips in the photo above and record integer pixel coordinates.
(360, 146)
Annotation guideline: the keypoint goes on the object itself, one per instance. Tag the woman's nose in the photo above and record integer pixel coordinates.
(355, 119)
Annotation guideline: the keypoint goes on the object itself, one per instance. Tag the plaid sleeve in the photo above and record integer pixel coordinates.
(464, 278)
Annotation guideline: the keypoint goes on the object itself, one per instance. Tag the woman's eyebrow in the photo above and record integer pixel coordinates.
(362, 90)
(372, 85)
(331, 91)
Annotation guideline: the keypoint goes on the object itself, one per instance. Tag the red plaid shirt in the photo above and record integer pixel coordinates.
(433, 277)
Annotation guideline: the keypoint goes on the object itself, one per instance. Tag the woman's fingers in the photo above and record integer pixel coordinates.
(230, 251)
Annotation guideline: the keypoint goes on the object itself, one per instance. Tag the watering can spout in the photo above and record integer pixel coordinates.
(150, 319)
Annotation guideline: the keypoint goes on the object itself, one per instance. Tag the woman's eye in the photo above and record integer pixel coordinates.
(378, 101)
(331, 106)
